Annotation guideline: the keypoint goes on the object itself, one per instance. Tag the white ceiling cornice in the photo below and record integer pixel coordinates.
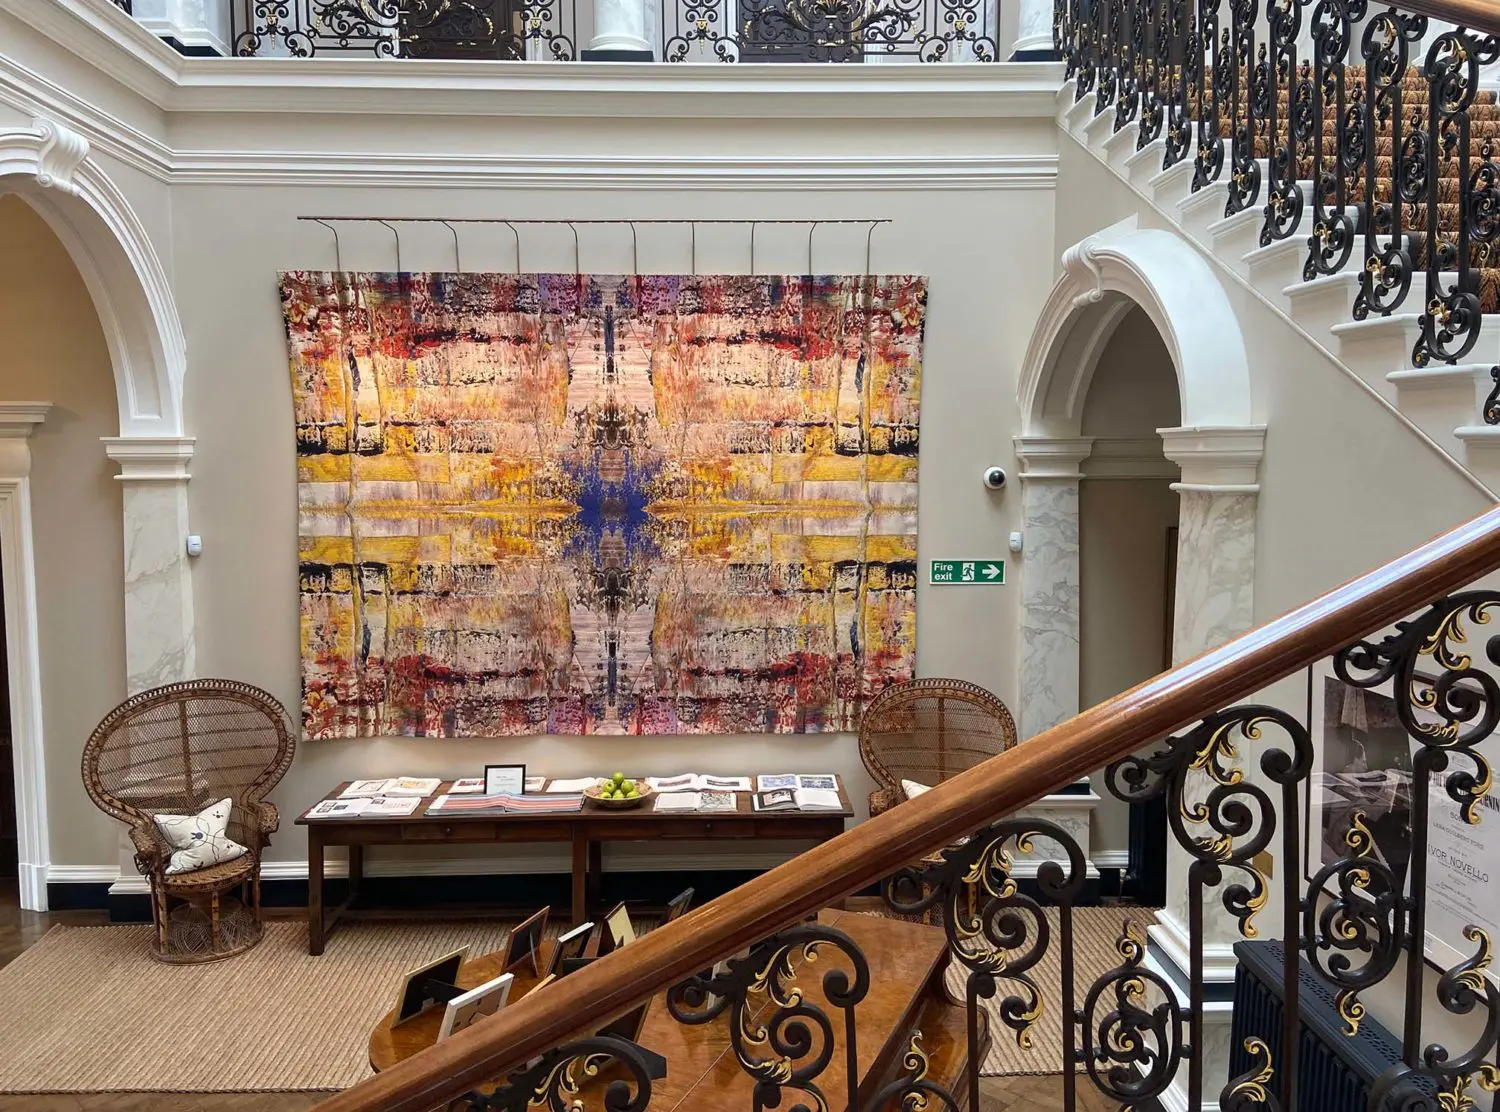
(116, 45)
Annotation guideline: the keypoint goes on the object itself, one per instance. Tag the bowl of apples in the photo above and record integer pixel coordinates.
(618, 792)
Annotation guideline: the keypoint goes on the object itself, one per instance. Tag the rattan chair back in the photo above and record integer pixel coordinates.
(928, 730)
(178, 748)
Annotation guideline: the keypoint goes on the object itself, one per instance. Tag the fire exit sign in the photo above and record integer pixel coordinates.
(968, 571)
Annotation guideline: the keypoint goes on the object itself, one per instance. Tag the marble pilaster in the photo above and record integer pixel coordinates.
(1214, 602)
(1049, 580)
(158, 579)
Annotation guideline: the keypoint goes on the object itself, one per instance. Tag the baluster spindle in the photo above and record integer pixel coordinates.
(1450, 318)
(1332, 241)
(1386, 277)
(1283, 192)
(1244, 176)
(1179, 110)
(1211, 84)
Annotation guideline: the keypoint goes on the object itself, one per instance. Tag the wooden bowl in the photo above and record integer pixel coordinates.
(598, 800)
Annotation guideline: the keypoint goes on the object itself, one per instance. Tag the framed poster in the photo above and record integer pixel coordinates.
(1363, 761)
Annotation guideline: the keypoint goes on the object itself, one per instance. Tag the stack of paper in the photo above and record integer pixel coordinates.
(570, 786)
(396, 785)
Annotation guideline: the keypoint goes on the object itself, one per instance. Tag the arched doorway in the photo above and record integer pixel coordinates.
(1117, 276)
(1127, 532)
(81, 270)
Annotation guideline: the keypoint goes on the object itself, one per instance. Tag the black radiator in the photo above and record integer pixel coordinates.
(1334, 1071)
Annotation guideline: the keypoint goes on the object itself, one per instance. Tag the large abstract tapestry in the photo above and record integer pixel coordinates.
(603, 505)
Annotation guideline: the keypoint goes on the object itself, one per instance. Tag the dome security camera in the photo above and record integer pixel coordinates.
(994, 478)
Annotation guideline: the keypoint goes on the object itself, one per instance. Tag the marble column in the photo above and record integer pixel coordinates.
(1049, 587)
(1215, 596)
(1049, 579)
(158, 580)
(619, 33)
(158, 584)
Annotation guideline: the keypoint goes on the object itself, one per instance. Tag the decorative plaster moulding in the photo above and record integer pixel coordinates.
(1128, 457)
(116, 44)
(19, 419)
(162, 459)
(1052, 457)
(1218, 460)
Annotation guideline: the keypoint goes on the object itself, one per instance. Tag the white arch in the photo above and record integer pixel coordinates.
(48, 165)
(1103, 276)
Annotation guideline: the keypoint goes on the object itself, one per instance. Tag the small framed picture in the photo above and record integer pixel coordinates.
(618, 930)
(475, 1004)
(509, 779)
(526, 942)
(429, 985)
(570, 945)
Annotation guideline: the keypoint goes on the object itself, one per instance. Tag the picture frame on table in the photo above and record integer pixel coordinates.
(468, 1009)
(618, 930)
(429, 985)
(505, 779)
(573, 944)
(525, 943)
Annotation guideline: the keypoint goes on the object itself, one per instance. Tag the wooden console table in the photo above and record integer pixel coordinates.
(585, 830)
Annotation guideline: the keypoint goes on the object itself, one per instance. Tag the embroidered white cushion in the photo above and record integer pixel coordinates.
(914, 789)
(199, 840)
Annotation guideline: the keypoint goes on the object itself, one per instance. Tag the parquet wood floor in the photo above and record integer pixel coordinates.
(20, 929)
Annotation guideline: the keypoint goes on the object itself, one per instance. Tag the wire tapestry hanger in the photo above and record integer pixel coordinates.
(392, 222)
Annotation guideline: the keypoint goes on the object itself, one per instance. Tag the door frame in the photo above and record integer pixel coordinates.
(23, 650)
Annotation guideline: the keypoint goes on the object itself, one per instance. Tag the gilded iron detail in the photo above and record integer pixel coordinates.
(1249, 1092)
(786, 1048)
(567, 1079)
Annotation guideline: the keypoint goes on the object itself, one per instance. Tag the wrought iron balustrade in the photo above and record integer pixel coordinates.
(690, 30)
(1363, 129)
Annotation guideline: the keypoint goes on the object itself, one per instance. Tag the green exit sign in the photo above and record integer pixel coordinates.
(968, 571)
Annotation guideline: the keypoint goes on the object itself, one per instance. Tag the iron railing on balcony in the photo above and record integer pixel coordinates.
(556, 30)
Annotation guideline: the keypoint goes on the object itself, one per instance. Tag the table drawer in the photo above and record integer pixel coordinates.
(707, 828)
(450, 832)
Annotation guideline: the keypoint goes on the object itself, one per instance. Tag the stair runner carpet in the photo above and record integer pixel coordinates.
(1484, 133)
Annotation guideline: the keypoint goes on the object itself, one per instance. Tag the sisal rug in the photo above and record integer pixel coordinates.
(87, 1010)
(1095, 931)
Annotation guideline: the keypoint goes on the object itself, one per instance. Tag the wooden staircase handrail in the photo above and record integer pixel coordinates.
(585, 1000)
(1477, 15)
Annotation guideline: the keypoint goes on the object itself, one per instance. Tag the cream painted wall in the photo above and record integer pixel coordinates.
(243, 494)
(1123, 527)
(53, 350)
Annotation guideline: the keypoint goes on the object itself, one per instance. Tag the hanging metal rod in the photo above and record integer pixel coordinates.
(494, 220)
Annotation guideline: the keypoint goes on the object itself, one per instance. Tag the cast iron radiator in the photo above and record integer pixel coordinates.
(1334, 1071)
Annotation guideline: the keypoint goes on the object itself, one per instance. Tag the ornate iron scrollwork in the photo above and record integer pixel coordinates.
(1385, 278)
(1332, 241)
(1131, 1047)
(407, 28)
(1248, 1092)
(1450, 319)
(789, 1048)
(556, 1080)
(913, 1091)
(1283, 193)
(1244, 173)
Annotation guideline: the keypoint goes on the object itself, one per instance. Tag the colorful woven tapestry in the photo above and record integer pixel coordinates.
(603, 505)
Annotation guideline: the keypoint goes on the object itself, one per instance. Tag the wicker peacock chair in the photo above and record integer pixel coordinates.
(928, 730)
(175, 750)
